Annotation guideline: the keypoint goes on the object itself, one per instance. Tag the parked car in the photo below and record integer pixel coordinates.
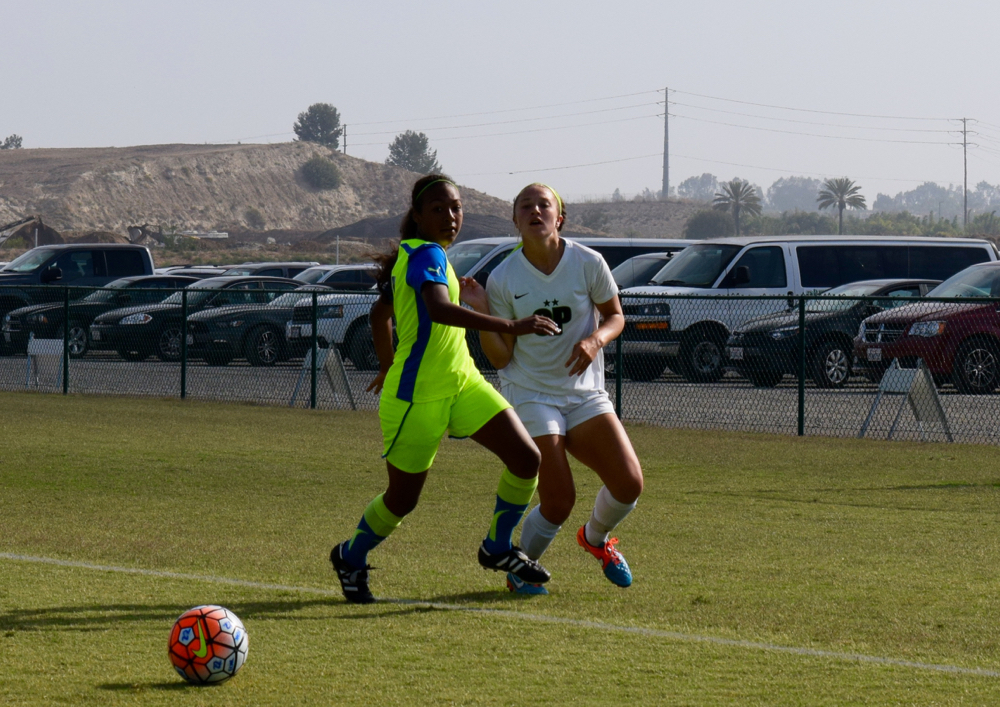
(273, 269)
(689, 334)
(357, 276)
(764, 349)
(46, 321)
(639, 270)
(137, 333)
(201, 272)
(959, 341)
(255, 332)
(342, 319)
(73, 264)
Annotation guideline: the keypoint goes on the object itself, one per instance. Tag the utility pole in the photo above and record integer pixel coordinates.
(965, 169)
(345, 138)
(666, 144)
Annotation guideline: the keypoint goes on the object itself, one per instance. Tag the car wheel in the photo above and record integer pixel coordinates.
(766, 378)
(977, 367)
(361, 349)
(702, 356)
(131, 355)
(831, 365)
(643, 368)
(79, 340)
(264, 346)
(168, 346)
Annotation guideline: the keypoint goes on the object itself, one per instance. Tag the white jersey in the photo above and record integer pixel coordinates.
(517, 289)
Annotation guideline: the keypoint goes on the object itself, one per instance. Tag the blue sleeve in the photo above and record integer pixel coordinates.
(427, 263)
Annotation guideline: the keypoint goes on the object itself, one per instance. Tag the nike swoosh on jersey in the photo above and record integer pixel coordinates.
(520, 296)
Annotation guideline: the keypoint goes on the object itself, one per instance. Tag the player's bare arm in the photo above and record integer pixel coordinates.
(442, 311)
(499, 348)
(612, 323)
(381, 321)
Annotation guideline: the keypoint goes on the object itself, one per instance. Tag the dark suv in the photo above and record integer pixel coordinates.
(73, 264)
(958, 340)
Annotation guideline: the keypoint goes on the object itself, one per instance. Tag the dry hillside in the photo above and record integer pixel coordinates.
(202, 187)
(647, 219)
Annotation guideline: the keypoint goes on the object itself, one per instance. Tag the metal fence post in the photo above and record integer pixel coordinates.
(802, 365)
(315, 353)
(65, 357)
(184, 338)
(618, 375)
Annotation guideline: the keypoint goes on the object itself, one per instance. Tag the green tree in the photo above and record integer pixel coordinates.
(842, 193)
(319, 123)
(13, 142)
(709, 224)
(321, 173)
(700, 188)
(412, 151)
(737, 197)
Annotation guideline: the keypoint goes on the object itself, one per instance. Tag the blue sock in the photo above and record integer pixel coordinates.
(375, 525)
(513, 496)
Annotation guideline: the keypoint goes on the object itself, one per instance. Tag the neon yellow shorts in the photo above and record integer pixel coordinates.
(413, 431)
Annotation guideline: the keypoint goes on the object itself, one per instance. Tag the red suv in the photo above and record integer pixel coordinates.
(959, 341)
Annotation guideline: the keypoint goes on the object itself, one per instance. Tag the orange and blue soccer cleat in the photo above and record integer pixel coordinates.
(614, 565)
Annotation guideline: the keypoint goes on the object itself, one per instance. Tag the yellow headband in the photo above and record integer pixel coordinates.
(429, 185)
(554, 193)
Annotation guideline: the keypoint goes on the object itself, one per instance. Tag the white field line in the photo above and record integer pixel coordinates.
(538, 618)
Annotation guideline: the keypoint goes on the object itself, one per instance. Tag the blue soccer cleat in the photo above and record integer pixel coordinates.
(521, 587)
(614, 565)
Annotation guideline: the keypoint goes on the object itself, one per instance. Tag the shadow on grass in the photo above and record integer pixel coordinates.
(138, 687)
(101, 617)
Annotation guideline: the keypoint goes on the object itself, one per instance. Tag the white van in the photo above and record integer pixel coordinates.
(689, 335)
(342, 319)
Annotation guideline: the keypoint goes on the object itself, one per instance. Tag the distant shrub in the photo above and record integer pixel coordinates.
(709, 224)
(255, 219)
(321, 173)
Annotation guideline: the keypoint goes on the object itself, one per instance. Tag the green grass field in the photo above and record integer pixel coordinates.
(768, 570)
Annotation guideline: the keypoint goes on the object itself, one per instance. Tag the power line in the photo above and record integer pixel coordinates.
(809, 122)
(569, 166)
(533, 130)
(521, 120)
(512, 110)
(793, 132)
(807, 110)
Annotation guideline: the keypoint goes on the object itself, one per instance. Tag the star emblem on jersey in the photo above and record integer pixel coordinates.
(547, 303)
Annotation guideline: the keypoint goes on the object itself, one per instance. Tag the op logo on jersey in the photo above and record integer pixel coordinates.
(560, 315)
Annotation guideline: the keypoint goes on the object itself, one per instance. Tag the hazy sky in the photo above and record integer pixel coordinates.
(529, 87)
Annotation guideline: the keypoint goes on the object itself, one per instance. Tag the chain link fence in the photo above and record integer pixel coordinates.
(893, 366)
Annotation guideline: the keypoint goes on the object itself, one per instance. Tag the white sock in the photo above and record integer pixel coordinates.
(607, 514)
(537, 533)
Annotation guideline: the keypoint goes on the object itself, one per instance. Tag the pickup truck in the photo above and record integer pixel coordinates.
(39, 275)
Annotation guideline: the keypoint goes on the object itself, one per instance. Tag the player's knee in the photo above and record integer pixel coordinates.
(524, 461)
(557, 511)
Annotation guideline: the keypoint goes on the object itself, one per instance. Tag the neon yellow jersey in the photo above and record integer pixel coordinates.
(432, 360)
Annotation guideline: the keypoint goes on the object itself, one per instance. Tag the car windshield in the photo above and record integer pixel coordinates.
(849, 293)
(971, 282)
(638, 270)
(311, 275)
(30, 261)
(107, 293)
(194, 298)
(290, 298)
(463, 256)
(697, 265)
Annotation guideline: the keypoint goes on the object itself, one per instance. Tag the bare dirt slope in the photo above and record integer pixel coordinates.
(647, 219)
(202, 187)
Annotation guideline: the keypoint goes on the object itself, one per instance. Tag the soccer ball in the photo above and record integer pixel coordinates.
(208, 644)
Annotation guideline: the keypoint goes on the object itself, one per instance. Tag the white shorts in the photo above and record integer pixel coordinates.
(544, 414)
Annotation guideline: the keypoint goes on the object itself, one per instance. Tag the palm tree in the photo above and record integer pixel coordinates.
(737, 196)
(842, 193)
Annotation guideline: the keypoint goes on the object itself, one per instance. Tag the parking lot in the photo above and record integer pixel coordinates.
(730, 404)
